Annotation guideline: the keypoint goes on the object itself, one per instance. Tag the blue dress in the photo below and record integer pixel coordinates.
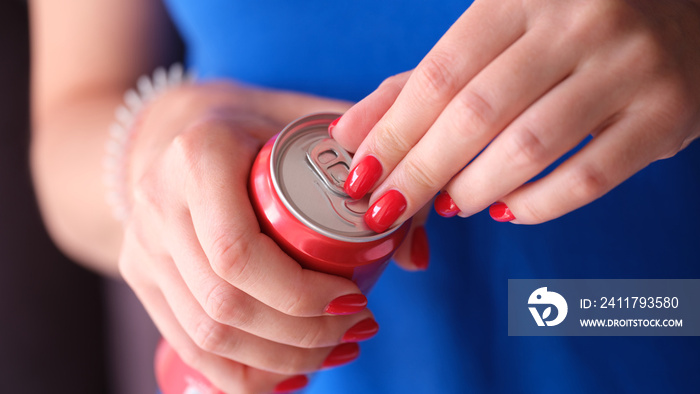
(445, 330)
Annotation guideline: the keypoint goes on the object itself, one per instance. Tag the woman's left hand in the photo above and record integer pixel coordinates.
(512, 87)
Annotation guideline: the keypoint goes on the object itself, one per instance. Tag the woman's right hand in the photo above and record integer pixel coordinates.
(225, 296)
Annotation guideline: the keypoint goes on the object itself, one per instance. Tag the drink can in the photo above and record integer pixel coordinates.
(296, 188)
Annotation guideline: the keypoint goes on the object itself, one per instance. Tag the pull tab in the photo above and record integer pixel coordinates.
(331, 163)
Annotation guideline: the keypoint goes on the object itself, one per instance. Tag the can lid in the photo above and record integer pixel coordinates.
(308, 170)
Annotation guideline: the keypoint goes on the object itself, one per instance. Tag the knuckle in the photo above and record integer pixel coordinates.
(224, 305)
(394, 82)
(679, 142)
(474, 110)
(145, 193)
(229, 257)
(296, 361)
(525, 148)
(187, 145)
(421, 176)
(293, 304)
(184, 154)
(312, 338)
(668, 144)
(684, 144)
(390, 141)
(197, 140)
(437, 76)
(588, 183)
(647, 55)
(598, 19)
(533, 210)
(208, 335)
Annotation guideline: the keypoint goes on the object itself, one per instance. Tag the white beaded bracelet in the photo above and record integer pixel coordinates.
(121, 133)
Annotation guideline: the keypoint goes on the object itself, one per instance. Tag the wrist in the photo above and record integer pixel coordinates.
(130, 118)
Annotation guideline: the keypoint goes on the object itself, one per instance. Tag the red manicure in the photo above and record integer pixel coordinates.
(331, 126)
(420, 250)
(500, 212)
(342, 354)
(347, 304)
(292, 384)
(445, 205)
(384, 212)
(363, 177)
(361, 331)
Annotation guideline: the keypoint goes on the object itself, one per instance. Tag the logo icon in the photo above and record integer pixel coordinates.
(543, 297)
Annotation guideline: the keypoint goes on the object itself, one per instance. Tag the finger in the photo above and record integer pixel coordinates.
(473, 118)
(548, 129)
(414, 252)
(230, 306)
(618, 152)
(230, 342)
(230, 376)
(227, 229)
(431, 86)
(174, 376)
(356, 123)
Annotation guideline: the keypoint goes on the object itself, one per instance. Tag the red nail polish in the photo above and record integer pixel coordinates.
(363, 177)
(347, 304)
(420, 250)
(342, 354)
(331, 126)
(292, 384)
(500, 212)
(445, 205)
(384, 212)
(361, 331)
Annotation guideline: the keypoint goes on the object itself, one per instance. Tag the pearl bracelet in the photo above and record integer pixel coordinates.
(121, 133)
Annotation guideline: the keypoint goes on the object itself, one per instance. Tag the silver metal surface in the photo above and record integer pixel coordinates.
(308, 170)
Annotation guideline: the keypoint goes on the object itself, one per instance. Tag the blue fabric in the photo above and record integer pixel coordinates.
(445, 331)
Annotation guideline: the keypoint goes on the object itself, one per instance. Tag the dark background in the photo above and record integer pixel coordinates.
(51, 315)
(62, 328)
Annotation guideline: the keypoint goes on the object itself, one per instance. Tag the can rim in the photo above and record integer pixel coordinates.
(304, 121)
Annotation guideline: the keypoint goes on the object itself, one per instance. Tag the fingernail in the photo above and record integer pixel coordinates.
(420, 250)
(347, 304)
(384, 212)
(342, 354)
(361, 331)
(363, 177)
(292, 384)
(500, 212)
(445, 205)
(331, 126)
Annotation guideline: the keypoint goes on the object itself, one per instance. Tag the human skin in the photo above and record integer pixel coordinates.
(514, 85)
(191, 249)
(226, 298)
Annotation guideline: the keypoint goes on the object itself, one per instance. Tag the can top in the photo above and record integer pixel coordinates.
(308, 170)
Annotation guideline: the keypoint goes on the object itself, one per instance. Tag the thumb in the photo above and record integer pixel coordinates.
(414, 252)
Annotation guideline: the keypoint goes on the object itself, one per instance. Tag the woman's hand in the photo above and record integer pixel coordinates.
(232, 304)
(512, 87)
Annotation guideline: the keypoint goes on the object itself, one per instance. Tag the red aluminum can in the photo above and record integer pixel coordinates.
(296, 188)
(175, 377)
